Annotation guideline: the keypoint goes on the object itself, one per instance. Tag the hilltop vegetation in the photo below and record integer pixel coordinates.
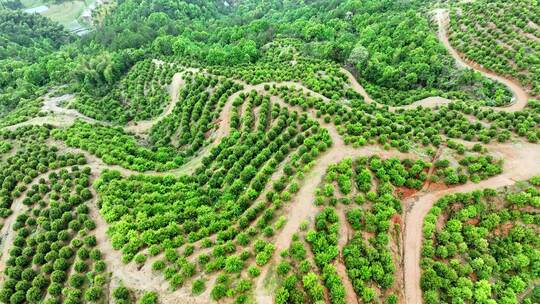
(271, 151)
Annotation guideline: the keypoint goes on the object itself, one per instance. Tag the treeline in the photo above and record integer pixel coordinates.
(29, 36)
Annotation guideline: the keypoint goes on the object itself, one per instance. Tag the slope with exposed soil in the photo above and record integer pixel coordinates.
(521, 163)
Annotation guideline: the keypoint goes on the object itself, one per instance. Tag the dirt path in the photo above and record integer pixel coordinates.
(521, 97)
(301, 207)
(428, 102)
(144, 126)
(56, 116)
(177, 83)
(129, 275)
(521, 163)
(345, 235)
(51, 104)
(63, 117)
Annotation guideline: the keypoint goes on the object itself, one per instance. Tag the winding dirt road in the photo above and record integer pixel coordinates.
(521, 97)
(302, 207)
(144, 126)
(521, 162)
(431, 102)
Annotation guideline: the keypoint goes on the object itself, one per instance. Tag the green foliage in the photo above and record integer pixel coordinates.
(42, 255)
(486, 34)
(324, 246)
(117, 147)
(121, 293)
(230, 205)
(149, 297)
(198, 287)
(191, 119)
(5, 146)
(140, 95)
(28, 36)
(469, 257)
(475, 168)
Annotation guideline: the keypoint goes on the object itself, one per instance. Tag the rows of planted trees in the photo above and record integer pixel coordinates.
(200, 103)
(365, 192)
(116, 147)
(53, 258)
(361, 123)
(214, 230)
(358, 228)
(140, 95)
(34, 158)
(482, 246)
(501, 36)
(219, 222)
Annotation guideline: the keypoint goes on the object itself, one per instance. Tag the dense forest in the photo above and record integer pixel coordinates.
(324, 151)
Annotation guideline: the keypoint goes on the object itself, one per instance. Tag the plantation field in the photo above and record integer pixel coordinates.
(270, 152)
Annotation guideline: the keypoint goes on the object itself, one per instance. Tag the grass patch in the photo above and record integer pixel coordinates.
(65, 13)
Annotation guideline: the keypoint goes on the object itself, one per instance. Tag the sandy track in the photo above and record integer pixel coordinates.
(521, 97)
(521, 163)
(51, 104)
(345, 235)
(56, 116)
(129, 275)
(144, 126)
(177, 83)
(428, 102)
(433, 102)
(301, 207)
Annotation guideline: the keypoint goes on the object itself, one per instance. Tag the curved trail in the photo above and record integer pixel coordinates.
(345, 235)
(129, 274)
(521, 97)
(428, 102)
(144, 126)
(301, 207)
(57, 116)
(521, 163)
(133, 277)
